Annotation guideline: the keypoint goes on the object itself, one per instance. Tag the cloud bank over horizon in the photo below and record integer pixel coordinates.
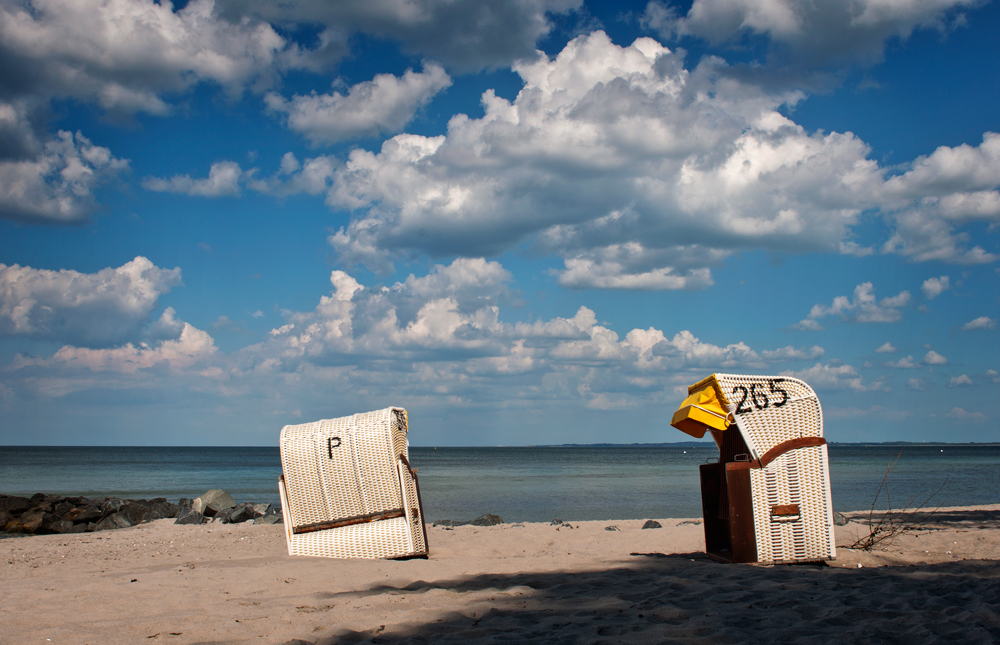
(529, 209)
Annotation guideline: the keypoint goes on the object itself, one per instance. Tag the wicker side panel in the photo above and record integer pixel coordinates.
(414, 511)
(382, 539)
(799, 477)
(400, 427)
(376, 460)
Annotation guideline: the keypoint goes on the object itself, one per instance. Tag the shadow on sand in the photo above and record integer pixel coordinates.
(686, 598)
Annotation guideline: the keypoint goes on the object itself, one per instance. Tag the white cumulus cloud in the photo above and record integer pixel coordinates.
(934, 287)
(933, 358)
(863, 308)
(886, 348)
(959, 381)
(56, 187)
(817, 32)
(88, 309)
(384, 104)
(983, 322)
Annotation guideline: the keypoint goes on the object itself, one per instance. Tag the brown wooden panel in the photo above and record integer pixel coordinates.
(347, 521)
(716, 528)
(742, 536)
(787, 509)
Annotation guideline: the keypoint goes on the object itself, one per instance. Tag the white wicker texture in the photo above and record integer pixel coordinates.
(770, 411)
(343, 469)
(796, 477)
(798, 415)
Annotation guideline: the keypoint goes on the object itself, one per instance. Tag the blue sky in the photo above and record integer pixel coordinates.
(526, 222)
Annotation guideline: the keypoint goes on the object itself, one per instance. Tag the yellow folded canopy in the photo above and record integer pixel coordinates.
(704, 408)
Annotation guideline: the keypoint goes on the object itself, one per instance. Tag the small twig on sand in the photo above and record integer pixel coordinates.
(882, 530)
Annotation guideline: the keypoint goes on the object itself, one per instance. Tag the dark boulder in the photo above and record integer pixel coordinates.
(113, 521)
(840, 520)
(63, 507)
(188, 516)
(16, 505)
(652, 524)
(83, 514)
(31, 521)
(449, 523)
(185, 502)
(135, 512)
(487, 519)
(271, 516)
(37, 498)
(245, 511)
(111, 505)
(59, 526)
(159, 510)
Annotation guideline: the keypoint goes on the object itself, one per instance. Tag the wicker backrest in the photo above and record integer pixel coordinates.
(770, 410)
(345, 468)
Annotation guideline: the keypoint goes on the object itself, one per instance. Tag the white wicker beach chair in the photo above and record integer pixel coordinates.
(347, 489)
(768, 498)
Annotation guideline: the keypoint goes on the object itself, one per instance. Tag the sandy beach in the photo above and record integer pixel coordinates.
(513, 582)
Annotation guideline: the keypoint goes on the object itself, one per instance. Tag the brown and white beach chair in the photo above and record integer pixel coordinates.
(768, 498)
(347, 488)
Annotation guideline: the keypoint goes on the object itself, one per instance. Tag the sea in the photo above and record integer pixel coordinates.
(520, 484)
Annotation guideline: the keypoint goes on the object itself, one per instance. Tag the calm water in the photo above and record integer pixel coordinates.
(519, 484)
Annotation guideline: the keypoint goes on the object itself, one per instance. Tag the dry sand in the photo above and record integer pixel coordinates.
(532, 582)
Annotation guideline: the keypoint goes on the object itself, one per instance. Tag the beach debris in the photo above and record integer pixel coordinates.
(652, 524)
(556, 523)
(840, 520)
(611, 528)
(694, 522)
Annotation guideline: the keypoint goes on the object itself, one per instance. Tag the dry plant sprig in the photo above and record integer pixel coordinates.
(884, 529)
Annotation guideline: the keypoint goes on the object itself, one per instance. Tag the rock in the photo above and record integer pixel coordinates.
(4, 518)
(37, 498)
(695, 522)
(113, 521)
(135, 513)
(60, 526)
(31, 521)
(82, 515)
(556, 523)
(449, 523)
(189, 516)
(62, 508)
(111, 505)
(840, 520)
(260, 509)
(611, 528)
(487, 519)
(16, 505)
(271, 516)
(244, 511)
(652, 524)
(185, 502)
(214, 501)
(161, 508)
